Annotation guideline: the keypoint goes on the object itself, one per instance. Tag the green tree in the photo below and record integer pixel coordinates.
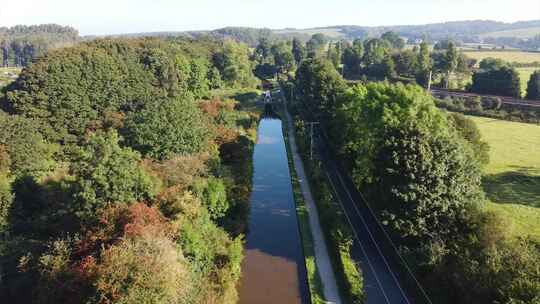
(394, 39)
(234, 65)
(319, 85)
(29, 153)
(283, 57)
(533, 86)
(299, 51)
(467, 128)
(450, 63)
(375, 51)
(263, 51)
(316, 44)
(427, 182)
(406, 63)
(352, 58)
(105, 172)
(167, 127)
(424, 64)
(334, 54)
(367, 110)
(502, 81)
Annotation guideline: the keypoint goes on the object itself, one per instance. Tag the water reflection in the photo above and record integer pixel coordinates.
(273, 270)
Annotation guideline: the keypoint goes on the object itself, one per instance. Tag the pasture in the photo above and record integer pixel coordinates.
(510, 56)
(512, 178)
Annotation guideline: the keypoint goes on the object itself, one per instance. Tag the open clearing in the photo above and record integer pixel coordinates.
(8, 75)
(510, 56)
(512, 179)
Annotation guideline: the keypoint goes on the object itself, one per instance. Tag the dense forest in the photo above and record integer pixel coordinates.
(20, 44)
(123, 173)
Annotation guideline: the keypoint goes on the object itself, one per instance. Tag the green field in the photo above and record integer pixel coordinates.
(512, 179)
(518, 33)
(510, 56)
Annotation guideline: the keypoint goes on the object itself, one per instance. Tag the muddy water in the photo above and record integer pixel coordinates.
(273, 270)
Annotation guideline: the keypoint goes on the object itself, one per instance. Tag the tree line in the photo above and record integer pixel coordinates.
(123, 175)
(387, 58)
(20, 44)
(420, 169)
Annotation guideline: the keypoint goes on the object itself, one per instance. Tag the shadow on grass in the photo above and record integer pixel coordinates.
(517, 187)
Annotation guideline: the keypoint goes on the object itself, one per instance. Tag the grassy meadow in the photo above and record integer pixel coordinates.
(512, 179)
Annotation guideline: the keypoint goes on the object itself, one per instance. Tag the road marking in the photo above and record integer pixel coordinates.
(358, 239)
(371, 236)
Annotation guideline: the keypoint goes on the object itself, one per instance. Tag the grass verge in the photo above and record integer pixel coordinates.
(314, 278)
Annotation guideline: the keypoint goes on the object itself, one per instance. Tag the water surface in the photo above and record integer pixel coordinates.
(273, 270)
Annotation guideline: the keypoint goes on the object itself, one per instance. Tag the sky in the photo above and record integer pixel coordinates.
(102, 17)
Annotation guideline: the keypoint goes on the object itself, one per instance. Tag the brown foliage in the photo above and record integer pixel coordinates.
(180, 171)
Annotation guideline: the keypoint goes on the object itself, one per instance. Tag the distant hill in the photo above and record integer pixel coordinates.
(474, 31)
(467, 31)
(524, 33)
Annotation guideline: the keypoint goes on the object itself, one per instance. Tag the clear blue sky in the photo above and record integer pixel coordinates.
(126, 16)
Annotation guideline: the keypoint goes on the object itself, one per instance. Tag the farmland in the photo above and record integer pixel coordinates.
(512, 179)
(510, 56)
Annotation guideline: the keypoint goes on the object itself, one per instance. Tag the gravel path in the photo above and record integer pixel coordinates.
(322, 259)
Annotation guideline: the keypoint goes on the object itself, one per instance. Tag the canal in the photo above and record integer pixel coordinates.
(273, 270)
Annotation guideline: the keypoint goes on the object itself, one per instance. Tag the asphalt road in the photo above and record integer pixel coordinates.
(382, 283)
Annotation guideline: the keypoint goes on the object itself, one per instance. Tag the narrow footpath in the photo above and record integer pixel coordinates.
(322, 259)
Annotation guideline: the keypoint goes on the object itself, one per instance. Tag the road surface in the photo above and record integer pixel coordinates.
(381, 282)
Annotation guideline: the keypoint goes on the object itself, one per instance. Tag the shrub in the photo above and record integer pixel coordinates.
(104, 172)
(164, 128)
(148, 270)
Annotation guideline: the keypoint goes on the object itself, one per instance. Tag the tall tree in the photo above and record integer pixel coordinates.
(352, 58)
(283, 57)
(316, 45)
(299, 51)
(451, 58)
(424, 64)
(394, 39)
(319, 85)
(533, 86)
